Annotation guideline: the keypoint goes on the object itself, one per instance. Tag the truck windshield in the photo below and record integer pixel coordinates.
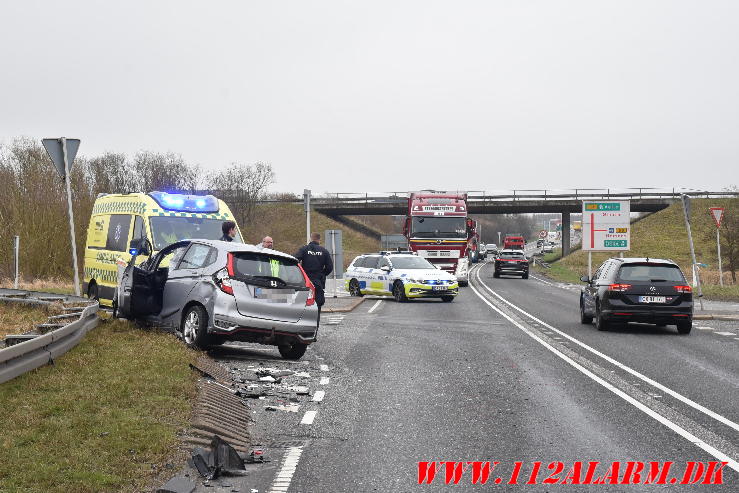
(169, 229)
(438, 227)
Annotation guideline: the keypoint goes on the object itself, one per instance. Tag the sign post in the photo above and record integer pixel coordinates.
(717, 213)
(606, 227)
(17, 254)
(306, 207)
(62, 152)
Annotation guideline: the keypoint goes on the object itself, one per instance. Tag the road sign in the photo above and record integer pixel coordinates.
(56, 153)
(606, 225)
(543, 233)
(717, 213)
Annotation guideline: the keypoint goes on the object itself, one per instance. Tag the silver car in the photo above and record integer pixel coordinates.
(216, 291)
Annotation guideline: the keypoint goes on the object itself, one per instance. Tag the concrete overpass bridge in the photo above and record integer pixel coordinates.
(564, 202)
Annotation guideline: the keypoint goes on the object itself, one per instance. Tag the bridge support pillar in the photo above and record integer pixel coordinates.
(565, 233)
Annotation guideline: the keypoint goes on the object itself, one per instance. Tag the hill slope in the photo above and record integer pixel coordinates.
(663, 235)
(285, 223)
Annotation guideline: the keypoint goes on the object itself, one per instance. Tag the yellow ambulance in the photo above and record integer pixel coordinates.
(162, 218)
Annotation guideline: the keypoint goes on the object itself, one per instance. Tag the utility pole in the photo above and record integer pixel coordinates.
(696, 276)
(306, 207)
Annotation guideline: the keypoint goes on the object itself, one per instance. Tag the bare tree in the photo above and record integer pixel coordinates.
(242, 185)
(165, 172)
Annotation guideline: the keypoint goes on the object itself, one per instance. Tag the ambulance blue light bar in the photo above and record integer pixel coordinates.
(186, 203)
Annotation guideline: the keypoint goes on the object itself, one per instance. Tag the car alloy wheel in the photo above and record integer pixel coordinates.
(354, 289)
(584, 319)
(600, 322)
(190, 327)
(399, 292)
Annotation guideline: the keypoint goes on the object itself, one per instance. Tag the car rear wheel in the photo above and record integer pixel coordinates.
(354, 289)
(195, 326)
(525, 276)
(496, 274)
(584, 319)
(292, 351)
(600, 322)
(684, 327)
(447, 299)
(399, 292)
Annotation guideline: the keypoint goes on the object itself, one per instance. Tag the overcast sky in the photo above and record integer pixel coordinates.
(384, 96)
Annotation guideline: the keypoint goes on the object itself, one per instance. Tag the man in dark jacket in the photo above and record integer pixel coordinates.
(317, 264)
(229, 230)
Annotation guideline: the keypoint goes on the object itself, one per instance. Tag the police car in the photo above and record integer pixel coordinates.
(402, 275)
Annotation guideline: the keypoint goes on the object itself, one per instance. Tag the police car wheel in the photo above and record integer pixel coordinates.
(194, 327)
(447, 299)
(354, 289)
(399, 292)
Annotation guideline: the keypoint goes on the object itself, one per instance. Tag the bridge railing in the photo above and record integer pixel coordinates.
(483, 196)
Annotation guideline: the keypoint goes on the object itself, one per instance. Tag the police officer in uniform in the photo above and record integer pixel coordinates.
(317, 264)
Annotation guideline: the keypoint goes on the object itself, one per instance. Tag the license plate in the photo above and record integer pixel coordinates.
(652, 299)
(439, 288)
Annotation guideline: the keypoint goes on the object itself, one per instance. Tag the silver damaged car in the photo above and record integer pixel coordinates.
(216, 291)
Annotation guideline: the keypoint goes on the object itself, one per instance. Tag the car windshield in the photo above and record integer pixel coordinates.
(169, 229)
(439, 227)
(259, 265)
(650, 273)
(410, 262)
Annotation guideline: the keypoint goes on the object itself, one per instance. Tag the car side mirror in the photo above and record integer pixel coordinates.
(585, 279)
(386, 268)
(139, 246)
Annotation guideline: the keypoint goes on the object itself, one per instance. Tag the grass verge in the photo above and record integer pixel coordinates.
(17, 319)
(105, 417)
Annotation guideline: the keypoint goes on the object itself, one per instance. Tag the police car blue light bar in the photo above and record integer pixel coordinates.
(186, 203)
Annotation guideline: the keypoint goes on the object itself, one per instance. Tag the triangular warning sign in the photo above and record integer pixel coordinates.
(717, 213)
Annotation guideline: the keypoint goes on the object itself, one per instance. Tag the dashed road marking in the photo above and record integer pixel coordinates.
(324, 381)
(377, 303)
(704, 328)
(282, 482)
(324, 367)
(308, 417)
(725, 333)
(318, 395)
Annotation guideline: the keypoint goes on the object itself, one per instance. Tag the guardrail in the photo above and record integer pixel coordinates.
(33, 349)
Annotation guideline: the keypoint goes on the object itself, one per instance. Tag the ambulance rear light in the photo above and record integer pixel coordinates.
(186, 203)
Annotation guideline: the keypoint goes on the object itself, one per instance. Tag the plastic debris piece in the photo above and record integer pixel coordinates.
(268, 378)
(177, 485)
(302, 374)
(256, 455)
(222, 458)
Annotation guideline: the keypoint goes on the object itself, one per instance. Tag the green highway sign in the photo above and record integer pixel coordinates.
(603, 206)
(615, 243)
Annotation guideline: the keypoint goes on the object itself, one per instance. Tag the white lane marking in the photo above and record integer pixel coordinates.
(324, 381)
(646, 410)
(318, 395)
(377, 303)
(725, 333)
(645, 378)
(285, 475)
(704, 328)
(308, 417)
(324, 367)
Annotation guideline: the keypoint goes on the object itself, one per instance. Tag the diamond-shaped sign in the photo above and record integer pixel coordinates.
(54, 150)
(717, 213)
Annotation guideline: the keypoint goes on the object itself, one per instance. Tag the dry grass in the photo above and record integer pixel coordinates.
(53, 285)
(16, 318)
(105, 417)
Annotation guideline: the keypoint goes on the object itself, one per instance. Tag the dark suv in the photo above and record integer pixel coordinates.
(512, 262)
(637, 290)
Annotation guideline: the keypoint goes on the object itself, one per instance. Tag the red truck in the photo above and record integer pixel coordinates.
(438, 229)
(514, 242)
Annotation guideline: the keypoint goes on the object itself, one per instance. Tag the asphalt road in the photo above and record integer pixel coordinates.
(504, 373)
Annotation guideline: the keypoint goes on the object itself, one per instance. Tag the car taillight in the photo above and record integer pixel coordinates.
(311, 288)
(620, 288)
(683, 289)
(223, 276)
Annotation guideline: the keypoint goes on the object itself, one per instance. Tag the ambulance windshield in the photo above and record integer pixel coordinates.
(169, 229)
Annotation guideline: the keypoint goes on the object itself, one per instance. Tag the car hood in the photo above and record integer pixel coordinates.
(423, 274)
